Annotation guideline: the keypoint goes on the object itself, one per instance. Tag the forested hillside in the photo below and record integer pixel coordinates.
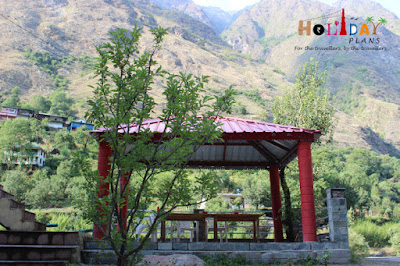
(51, 46)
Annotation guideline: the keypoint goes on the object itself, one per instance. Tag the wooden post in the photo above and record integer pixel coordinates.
(276, 203)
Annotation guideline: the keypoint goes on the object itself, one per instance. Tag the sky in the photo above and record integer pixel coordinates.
(229, 5)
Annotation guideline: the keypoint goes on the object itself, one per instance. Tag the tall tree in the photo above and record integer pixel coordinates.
(15, 141)
(61, 104)
(305, 105)
(122, 97)
(13, 100)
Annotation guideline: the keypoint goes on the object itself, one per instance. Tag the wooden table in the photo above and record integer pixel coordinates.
(240, 217)
(183, 217)
(217, 217)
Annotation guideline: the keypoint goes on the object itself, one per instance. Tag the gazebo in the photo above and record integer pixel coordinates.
(248, 144)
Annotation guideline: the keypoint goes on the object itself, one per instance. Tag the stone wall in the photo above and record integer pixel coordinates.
(337, 212)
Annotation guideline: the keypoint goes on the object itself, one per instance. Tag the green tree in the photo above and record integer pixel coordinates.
(60, 181)
(122, 96)
(15, 141)
(224, 181)
(61, 104)
(238, 202)
(39, 103)
(256, 189)
(13, 100)
(16, 182)
(217, 204)
(305, 105)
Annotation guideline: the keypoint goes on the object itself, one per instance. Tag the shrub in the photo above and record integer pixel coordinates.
(358, 246)
(376, 236)
(221, 260)
(394, 240)
(16, 183)
(66, 221)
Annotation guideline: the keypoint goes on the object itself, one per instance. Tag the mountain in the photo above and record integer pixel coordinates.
(220, 18)
(269, 22)
(364, 83)
(255, 54)
(363, 8)
(67, 29)
(189, 8)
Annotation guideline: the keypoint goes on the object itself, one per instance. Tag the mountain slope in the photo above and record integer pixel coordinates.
(362, 82)
(220, 18)
(269, 22)
(187, 7)
(75, 28)
(68, 29)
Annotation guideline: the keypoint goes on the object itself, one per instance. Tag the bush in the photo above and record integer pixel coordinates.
(16, 183)
(221, 260)
(394, 240)
(66, 221)
(376, 236)
(41, 195)
(358, 246)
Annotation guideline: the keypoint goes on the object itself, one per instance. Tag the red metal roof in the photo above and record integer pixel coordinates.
(246, 143)
(230, 125)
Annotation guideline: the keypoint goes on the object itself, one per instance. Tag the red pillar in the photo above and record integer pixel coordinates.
(104, 167)
(307, 192)
(276, 203)
(124, 208)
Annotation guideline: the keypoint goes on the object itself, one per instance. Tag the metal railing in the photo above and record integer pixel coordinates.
(322, 220)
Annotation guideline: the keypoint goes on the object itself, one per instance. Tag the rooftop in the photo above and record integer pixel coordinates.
(245, 143)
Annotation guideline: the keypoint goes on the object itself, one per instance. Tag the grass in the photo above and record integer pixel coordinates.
(222, 260)
(377, 232)
(67, 219)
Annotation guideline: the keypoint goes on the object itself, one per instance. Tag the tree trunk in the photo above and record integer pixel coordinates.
(122, 261)
(122, 258)
(288, 216)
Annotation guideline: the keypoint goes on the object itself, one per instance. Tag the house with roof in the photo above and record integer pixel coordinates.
(78, 123)
(25, 113)
(8, 113)
(12, 113)
(56, 122)
(35, 158)
(38, 156)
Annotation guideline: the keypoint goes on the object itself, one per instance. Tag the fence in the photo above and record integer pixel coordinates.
(322, 220)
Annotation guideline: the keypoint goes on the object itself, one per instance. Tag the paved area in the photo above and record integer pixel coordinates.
(382, 261)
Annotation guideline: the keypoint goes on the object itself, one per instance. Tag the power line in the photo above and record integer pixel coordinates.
(325, 15)
(34, 35)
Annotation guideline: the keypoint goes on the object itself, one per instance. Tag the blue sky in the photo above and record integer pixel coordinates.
(392, 5)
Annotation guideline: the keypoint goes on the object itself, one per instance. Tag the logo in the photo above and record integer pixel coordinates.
(361, 33)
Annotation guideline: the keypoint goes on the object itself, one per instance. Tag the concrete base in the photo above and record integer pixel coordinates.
(39, 248)
(252, 252)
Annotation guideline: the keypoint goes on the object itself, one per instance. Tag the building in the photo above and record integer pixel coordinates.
(231, 197)
(25, 113)
(78, 123)
(38, 157)
(55, 122)
(12, 113)
(8, 113)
